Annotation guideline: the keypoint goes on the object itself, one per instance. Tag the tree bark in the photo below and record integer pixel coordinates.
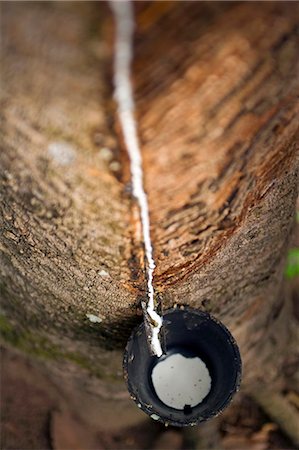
(215, 87)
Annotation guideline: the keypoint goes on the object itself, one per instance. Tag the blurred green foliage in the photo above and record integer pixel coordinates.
(292, 266)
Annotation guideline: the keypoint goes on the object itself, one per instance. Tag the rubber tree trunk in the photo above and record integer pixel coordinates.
(215, 87)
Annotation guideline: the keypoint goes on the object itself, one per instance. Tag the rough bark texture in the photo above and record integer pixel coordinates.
(216, 87)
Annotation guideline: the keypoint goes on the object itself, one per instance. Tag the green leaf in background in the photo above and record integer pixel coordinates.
(292, 267)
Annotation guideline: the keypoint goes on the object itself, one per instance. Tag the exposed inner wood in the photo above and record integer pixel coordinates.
(216, 96)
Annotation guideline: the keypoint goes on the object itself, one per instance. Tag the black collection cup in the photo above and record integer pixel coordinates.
(191, 333)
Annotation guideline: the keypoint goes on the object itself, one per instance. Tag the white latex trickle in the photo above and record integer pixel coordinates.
(124, 17)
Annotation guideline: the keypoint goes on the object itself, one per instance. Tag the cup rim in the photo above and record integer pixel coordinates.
(148, 408)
